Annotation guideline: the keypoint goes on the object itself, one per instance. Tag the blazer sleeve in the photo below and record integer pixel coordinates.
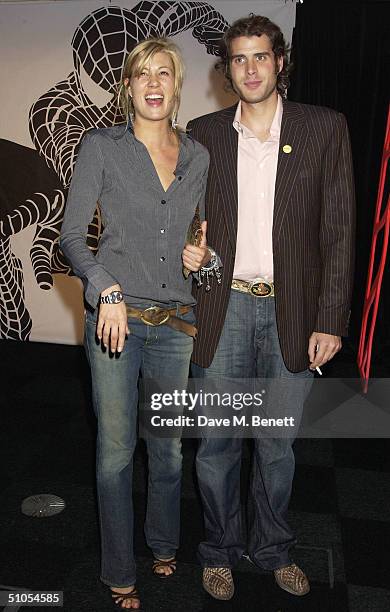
(84, 193)
(202, 199)
(337, 233)
(196, 135)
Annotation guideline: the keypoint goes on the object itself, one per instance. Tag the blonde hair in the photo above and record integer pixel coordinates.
(136, 61)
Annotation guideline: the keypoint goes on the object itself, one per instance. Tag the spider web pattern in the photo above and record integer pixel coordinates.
(106, 36)
(100, 45)
(15, 321)
(58, 121)
(46, 211)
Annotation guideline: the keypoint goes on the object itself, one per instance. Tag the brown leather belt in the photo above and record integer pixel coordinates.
(259, 287)
(156, 316)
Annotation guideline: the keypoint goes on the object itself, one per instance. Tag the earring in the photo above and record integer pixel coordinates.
(131, 108)
(118, 98)
(174, 123)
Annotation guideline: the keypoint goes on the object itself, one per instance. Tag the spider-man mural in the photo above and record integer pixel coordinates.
(58, 120)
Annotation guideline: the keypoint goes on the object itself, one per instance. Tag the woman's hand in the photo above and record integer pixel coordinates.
(112, 324)
(194, 257)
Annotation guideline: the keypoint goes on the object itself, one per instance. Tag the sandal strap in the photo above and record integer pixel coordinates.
(124, 596)
(164, 563)
(161, 563)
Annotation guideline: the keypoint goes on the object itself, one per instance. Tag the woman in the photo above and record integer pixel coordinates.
(148, 178)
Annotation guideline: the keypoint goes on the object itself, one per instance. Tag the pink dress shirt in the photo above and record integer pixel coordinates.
(256, 172)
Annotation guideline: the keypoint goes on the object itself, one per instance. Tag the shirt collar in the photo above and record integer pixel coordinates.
(276, 124)
(186, 149)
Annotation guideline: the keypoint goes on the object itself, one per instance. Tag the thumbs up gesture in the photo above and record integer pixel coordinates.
(195, 256)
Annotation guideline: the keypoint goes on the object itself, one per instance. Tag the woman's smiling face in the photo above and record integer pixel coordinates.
(153, 89)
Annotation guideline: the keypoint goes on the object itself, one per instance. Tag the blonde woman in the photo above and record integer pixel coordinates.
(148, 177)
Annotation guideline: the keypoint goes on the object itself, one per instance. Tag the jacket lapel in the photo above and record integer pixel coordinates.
(225, 148)
(292, 146)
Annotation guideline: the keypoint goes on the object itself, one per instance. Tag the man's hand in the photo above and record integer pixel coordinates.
(322, 347)
(194, 257)
(112, 323)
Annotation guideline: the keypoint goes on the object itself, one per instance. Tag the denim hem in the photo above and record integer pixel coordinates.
(272, 568)
(282, 566)
(212, 565)
(164, 556)
(118, 586)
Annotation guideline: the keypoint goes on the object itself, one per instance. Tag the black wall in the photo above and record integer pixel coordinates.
(340, 51)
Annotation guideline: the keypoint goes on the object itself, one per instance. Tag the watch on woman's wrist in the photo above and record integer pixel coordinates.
(115, 297)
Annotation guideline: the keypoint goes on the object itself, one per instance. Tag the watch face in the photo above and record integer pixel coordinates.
(117, 297)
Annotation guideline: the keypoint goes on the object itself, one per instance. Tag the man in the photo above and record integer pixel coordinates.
(280, 213)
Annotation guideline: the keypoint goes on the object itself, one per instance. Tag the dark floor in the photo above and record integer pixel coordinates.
(340, 506)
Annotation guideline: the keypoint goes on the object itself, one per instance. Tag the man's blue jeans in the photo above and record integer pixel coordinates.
(249, 347)
(159, 353)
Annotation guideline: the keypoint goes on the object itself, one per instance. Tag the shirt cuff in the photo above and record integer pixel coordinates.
(96, 283)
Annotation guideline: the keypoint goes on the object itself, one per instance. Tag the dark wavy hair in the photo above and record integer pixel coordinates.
(256, 25)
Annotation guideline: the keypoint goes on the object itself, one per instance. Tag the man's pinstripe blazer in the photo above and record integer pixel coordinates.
(313, 227)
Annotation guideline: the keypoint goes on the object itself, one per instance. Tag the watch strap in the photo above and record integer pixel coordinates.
(115, 297)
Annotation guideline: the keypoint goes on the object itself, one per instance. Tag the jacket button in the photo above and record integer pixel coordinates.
(163, 285)
(163, 201)
(162, 231)
(162, 258)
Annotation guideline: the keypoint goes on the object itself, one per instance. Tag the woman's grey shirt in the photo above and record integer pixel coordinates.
(144, 227)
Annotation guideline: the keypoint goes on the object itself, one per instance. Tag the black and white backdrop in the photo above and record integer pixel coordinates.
(60, 67)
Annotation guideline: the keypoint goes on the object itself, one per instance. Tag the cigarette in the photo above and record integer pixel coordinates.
(318, 370)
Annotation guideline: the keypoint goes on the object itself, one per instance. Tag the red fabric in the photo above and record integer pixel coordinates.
(374, 284)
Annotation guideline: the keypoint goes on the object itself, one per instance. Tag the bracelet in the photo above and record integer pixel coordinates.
(210, 270)
(211, 264)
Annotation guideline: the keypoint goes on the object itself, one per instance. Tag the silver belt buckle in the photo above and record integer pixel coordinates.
(260, 288)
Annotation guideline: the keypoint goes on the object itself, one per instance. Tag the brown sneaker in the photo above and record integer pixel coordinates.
(292, 579)
(218, 582)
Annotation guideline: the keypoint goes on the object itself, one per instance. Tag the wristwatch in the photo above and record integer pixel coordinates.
(115, 297)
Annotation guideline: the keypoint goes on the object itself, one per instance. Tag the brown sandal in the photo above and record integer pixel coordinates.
(159, 563)
(119, 598)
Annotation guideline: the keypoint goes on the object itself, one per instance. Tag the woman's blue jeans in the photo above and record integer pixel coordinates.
(159, 353)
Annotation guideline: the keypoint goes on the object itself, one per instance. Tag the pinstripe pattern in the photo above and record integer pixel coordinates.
(313, 227)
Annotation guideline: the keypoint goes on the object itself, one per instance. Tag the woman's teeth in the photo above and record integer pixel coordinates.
(154, 99)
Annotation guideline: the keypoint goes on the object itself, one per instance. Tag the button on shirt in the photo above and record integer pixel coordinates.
(256, 171)
(144, 227)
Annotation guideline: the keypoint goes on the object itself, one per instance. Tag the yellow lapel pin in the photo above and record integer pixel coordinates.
(287, 148)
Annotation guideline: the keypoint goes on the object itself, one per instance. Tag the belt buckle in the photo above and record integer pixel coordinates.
(154, 316)
(260, 288)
